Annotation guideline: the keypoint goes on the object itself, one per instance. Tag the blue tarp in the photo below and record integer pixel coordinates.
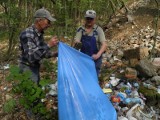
(79, 94)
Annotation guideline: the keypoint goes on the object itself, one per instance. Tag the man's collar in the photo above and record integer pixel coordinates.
(94, 27)
(36, 30)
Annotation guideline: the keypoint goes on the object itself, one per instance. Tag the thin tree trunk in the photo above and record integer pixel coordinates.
(156, 29)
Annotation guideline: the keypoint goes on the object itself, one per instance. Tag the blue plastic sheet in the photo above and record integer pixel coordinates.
(79, 94)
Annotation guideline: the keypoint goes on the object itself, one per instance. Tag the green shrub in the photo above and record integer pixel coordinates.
(31, 94)
(9, 106)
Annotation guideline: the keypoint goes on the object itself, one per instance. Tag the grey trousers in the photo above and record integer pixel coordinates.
(35, 77)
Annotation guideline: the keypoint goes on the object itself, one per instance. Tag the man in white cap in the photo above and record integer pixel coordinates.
(92, 38)
(32, 45)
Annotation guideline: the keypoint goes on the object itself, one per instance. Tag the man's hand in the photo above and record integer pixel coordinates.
(53, 41)
(55, 54)
(95, 56)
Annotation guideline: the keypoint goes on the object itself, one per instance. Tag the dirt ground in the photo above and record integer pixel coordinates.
(142, 17)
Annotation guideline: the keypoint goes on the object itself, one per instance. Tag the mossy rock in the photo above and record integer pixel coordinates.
(153, 98)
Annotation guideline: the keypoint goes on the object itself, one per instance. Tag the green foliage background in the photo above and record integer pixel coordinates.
(16, 15)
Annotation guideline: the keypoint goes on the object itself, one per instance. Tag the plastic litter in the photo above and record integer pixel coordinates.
(128, 91)
(122, 96)
(107, 90)
(52, 93)
(53, 87)
(5, 67)
(130, 113)
(124, 109)
(133, 100)
(115, 99)
(149, 86)
(136, 85)
(114, 81)
(134, 94)
(122, 118)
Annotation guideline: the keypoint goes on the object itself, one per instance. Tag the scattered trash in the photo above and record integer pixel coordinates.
(107, 90)
(114, 81)
(5, 67)
(5, 88)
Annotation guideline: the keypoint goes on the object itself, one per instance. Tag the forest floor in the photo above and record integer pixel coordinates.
(142, 17)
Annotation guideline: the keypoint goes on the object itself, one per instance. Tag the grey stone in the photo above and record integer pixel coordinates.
(146, 68)
(156, 79)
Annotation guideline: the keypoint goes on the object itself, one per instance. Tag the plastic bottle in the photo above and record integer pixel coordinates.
(136, 85)
(128, 91)
(122, 96)
(134, 94)
(132, 100)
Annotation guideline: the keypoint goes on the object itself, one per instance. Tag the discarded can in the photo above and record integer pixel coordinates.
(115, 99)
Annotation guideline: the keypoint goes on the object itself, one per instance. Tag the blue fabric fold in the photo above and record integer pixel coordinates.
(79, 94)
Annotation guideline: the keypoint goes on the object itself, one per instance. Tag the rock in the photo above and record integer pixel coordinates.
(130, 73)
(133, 62)
(7, 97)
(120, 54)
(146, 68)
(138, 53)
(156, 62)
(130, 18)
(156, 79)
(152, 97)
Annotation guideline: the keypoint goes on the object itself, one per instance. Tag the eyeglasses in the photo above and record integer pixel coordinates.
(88, 18)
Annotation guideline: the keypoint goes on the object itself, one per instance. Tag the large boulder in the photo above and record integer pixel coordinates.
(156, 79)
(138, 53)
(156, 62)
(152, 96)
(146, 68)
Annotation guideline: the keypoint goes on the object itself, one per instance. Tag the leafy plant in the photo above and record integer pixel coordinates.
(31, 94)
(50, 69)
(9, 106)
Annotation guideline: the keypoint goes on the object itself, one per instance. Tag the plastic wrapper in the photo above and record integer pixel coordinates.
(79, 94)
